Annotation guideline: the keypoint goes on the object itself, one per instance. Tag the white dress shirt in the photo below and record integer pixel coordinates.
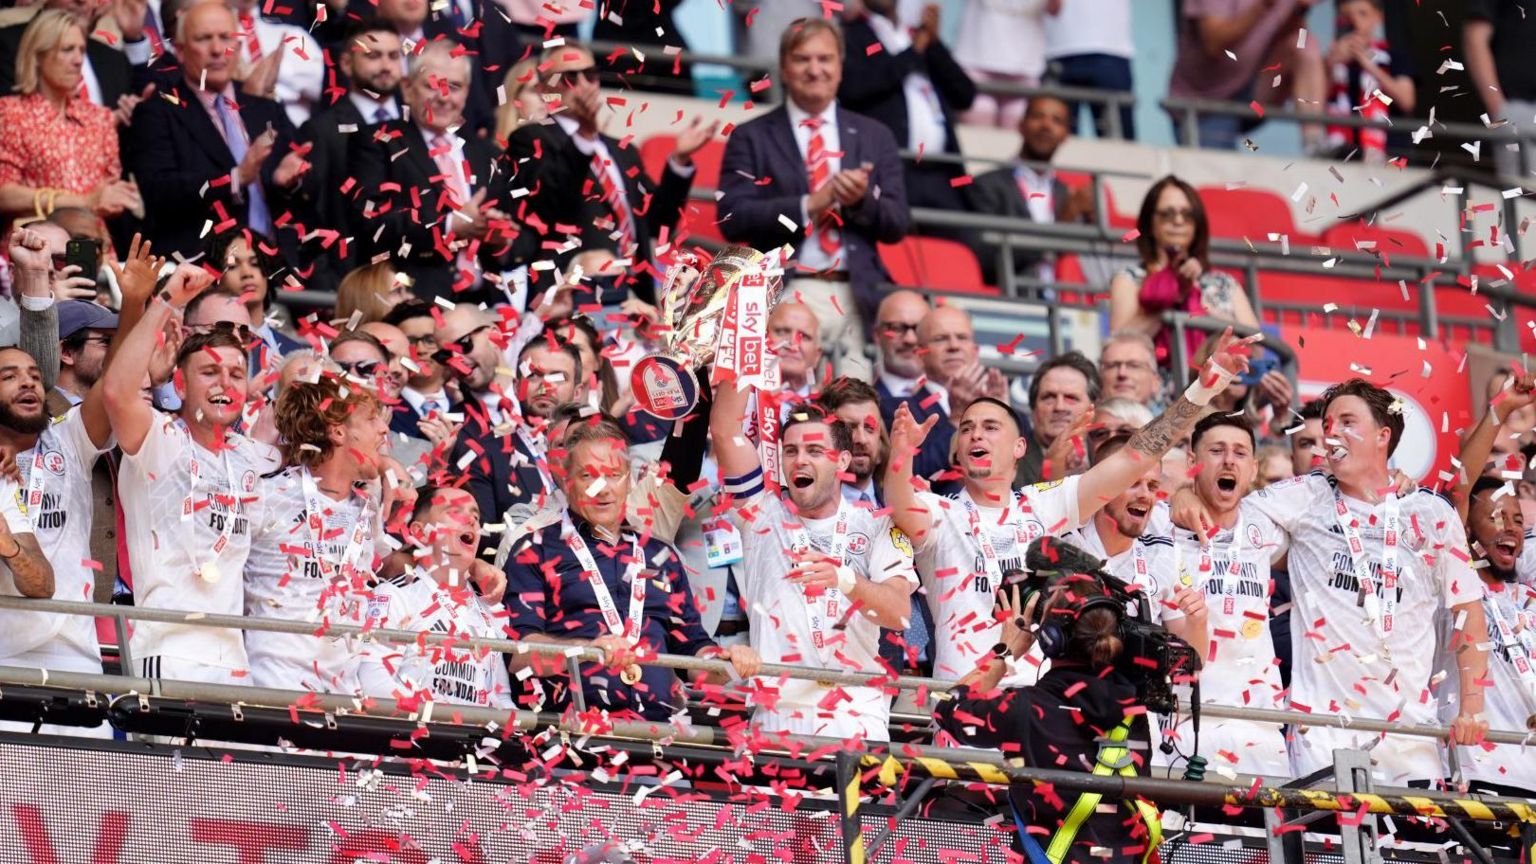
(926, 131)
(370, 107)
(419, 401)
(1039, 191)
(899, 385)
(301, 75)
(810, 254)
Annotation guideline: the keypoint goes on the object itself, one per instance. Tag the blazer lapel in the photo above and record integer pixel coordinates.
(784, 136)
(418, 150)
(851, 145)
(200, 125)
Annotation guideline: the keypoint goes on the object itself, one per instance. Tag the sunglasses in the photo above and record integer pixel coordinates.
(240, 331)
(462, 345)
(569, 77)
(1175, 214)
(359, 368)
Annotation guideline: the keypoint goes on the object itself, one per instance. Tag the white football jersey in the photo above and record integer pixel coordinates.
(1510, 702)
(1135, 566)
(1240, 668)
(1342, 662)
(458, 675)
(960, 588)
(188, 541)
(780, 616)
(1525, 565)
(60, 517)
(284, 578)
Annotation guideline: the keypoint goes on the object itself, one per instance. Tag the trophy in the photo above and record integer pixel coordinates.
(717, 312)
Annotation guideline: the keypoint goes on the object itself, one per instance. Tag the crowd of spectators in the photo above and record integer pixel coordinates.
(456, 448)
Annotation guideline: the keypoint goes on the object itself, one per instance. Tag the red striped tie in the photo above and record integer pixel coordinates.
(819, 169)
(613, 196)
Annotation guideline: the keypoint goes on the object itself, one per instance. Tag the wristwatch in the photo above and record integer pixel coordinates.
(1002, 651)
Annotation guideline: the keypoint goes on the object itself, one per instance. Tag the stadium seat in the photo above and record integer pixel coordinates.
(934, 263)
(1250, 213)
(1389, 241)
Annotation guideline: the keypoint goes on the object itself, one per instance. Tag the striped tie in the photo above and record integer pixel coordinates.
(819, 171)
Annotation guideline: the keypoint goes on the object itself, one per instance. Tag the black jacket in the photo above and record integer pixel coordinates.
(181, 162)
(1055, 724)
(875, 84)
(401, 203)
(564, 191)
(329, 133)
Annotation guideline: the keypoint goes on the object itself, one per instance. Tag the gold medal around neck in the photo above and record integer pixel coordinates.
(209, 573)
(1252, 628)
(630, 675)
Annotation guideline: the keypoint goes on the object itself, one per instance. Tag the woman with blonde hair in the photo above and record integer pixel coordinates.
(523, 105)
(57, 149)
(369, 292)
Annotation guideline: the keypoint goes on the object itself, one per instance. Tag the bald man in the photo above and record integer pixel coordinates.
(795, 337)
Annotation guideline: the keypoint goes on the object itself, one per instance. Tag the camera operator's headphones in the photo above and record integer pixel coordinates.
(1057, 623)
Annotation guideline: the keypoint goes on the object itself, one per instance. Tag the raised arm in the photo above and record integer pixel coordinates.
(39, 328)
(1478, 445)
(136, 277)
(1115, 474)
(907, 510)
(131, 416)
(727, 419)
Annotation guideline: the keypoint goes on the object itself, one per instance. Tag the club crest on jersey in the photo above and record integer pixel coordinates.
(858, 544)
(900, 541)
(248, 481)
(53, 460)
(1255, 539)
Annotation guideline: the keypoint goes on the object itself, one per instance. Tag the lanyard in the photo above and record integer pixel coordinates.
(32, 505)
(314, 509)
(208, 570)
(539, 457)
(1376, 610)
(984, 538)
(616, 625)
(1520, 645)
(826, 606)
(1206, 568)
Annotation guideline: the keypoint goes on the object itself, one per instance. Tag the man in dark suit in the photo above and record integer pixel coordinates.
(203, 151)
(825, 179)
(579, 177)
(912, 84)
(108, 69)
(1030, 189)
(479, 26)
(369, 57)
(429, 197)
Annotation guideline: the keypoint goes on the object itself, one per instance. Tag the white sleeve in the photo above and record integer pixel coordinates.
(1055, 504)
(1271, 537)
(891, 554)
(938, 512)
(162, 446)
(77, 440)
(1288, 502)
(1459, 583)
(10, 495)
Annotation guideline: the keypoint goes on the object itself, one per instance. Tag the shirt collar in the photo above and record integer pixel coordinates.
(416, 398)
(798, 114)
(369, 106)
(207, 96)
(899, 385)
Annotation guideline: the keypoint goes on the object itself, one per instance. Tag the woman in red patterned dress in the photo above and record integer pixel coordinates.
(57, 149)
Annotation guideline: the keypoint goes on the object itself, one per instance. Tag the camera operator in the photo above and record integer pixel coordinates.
(1084, 714)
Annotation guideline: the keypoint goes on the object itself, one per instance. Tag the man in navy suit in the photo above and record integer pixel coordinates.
(900, 377)
(824, 179)
(203, 151)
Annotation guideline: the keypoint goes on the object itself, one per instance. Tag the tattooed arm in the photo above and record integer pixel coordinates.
(20, 552)
(1116, 473)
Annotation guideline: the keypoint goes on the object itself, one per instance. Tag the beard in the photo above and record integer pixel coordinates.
(23, 424)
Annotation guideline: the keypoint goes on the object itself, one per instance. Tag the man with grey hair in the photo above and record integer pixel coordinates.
(432, 197)
(823, 179)
(1128, 369)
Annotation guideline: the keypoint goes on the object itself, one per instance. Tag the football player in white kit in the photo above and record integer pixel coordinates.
(185, 486)
(820, 576)
(967, 544)
(435, 596)
(1370, 574)
(1127, 537)
(1232, 571)
(313, 530)
(55, 461)
(1496, 528)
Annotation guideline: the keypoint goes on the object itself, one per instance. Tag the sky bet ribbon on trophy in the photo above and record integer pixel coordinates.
(719, 312)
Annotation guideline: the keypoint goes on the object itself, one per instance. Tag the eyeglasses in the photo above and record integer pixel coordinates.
(462, 345)
(897, 330)
(427, 341)
(1127, 365)
(359, 368)
(1175, 214)
(240, 331)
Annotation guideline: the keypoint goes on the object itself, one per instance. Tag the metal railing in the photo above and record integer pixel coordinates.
(577, 654)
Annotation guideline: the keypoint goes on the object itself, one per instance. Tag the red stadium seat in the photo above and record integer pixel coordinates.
(1251, 213)
(930, 262)
(1389, 241)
